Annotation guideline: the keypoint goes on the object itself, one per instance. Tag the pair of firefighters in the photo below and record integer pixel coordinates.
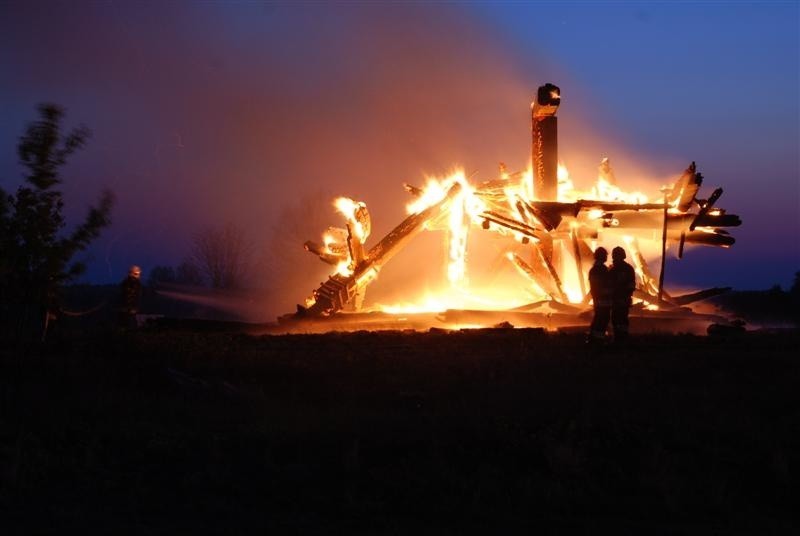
(611, 289)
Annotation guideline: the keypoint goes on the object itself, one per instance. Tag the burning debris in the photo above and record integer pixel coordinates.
(550, 227)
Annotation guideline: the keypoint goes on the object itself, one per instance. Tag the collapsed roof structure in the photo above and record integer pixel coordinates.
(538, 209)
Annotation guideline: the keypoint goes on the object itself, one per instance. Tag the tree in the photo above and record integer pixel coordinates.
(794, 296)
(187, 273)
(223, 255)
(36, 256)
(161, 274)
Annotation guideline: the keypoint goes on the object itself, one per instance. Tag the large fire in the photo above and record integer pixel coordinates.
(549, 229)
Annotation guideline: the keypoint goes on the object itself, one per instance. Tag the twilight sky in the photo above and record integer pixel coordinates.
(256, 114)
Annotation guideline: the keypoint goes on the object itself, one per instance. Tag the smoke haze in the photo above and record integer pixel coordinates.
(262, 120)
(262, 114)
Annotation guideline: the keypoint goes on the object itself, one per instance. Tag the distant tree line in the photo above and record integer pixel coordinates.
(220, 258)
(186, 273)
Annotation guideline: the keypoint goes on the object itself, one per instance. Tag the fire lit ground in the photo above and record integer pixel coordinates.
(544, 227)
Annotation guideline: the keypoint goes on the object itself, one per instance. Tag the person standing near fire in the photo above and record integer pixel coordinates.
(600, 290)
(130, 296)
(623, 283)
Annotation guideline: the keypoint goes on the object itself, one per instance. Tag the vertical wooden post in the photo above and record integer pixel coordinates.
(663, 251)
(544, 142)
(578, 260)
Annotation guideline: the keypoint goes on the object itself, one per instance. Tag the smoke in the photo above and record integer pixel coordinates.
(261, 114)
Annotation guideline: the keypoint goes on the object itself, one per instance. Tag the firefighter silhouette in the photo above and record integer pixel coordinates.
(623, 283)
(600, 289)
(130, 296)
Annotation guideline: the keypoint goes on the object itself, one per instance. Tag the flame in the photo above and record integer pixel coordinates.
(605, 191)
(437, 301)
(595, 214)
(344, 268)
(434, 191)
(566, 189)
(570, 280)
(428, 304)
(348, 208)
(527, 184)
(464, 210)
(459, 230)
(510, 198)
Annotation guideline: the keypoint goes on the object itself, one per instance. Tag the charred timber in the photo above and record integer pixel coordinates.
(544, 142)
(339, 290)
(319, 250)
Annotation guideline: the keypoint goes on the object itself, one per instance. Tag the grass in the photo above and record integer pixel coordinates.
(164, 431)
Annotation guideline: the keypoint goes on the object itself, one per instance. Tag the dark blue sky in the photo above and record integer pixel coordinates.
(715, 82)
(205, 113)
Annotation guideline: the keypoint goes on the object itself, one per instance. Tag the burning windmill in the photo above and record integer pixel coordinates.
(552, 225)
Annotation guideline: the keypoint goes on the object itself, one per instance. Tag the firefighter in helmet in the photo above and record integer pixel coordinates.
(600, 289)
(130, 296)
(623, 283)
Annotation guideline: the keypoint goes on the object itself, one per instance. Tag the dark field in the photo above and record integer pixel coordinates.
(167, 431)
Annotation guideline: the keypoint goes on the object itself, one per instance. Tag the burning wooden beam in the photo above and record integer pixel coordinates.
(339, 290)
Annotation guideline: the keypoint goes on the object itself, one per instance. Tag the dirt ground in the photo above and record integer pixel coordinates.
(183, 431)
